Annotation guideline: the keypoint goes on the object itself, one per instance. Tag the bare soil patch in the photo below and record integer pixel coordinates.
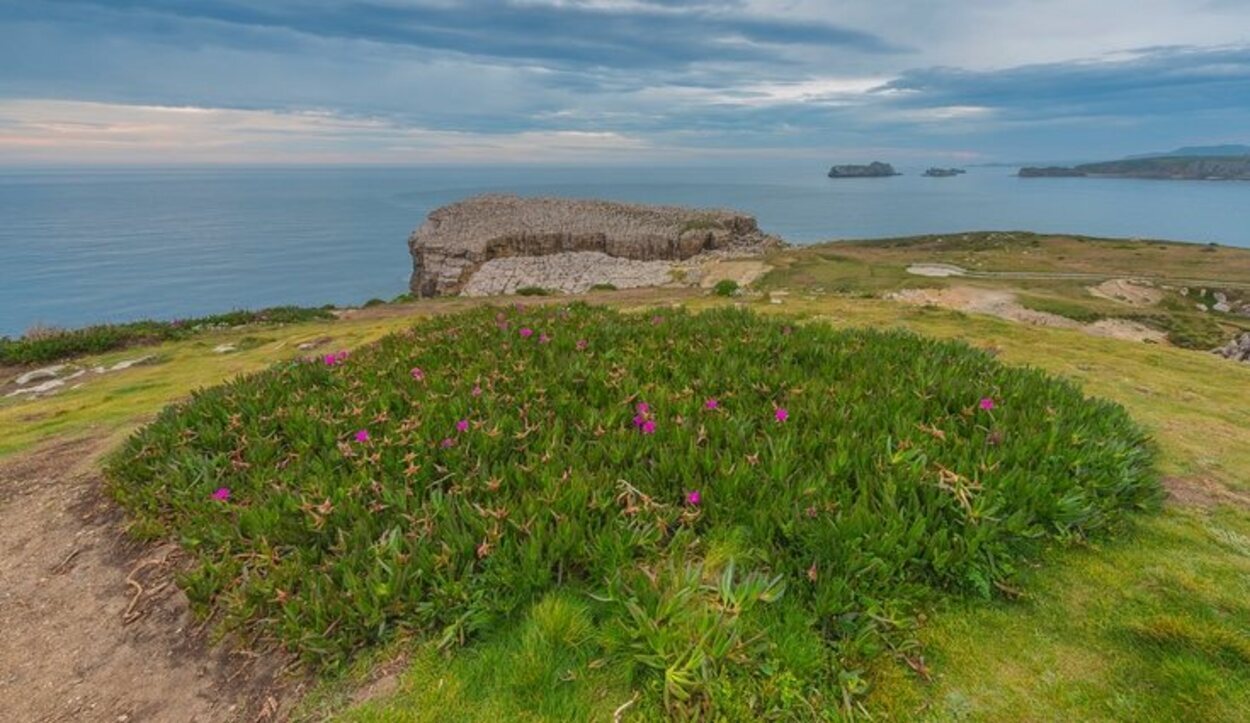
(94, 627)
(1127, 291)
(1003, 304)
(1203, 492)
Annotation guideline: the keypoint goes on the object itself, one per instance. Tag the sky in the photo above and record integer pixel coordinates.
(617, 81)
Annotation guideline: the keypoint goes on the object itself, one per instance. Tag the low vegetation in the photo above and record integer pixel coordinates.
(44, 346)
(725, 287)
(728, 514)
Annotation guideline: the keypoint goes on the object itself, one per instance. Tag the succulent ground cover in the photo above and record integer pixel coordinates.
(739, 512)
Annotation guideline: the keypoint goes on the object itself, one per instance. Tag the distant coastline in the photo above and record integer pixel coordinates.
(1177, 168)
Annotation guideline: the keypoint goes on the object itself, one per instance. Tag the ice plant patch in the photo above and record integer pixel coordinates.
(856, 471)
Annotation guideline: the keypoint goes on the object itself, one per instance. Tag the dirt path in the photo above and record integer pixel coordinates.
(93, 629)
(1004, 305)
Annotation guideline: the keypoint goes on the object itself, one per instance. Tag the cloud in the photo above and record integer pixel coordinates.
(111, 133)
(597, 80)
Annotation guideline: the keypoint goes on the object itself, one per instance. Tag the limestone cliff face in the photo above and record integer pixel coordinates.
(457, 239)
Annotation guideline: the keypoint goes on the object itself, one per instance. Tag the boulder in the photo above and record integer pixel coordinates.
(1237, 349)
(456, 240)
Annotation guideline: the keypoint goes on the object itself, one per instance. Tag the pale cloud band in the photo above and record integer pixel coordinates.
(606, 81)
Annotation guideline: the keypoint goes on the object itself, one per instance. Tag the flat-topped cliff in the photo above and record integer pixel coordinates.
(456, 240)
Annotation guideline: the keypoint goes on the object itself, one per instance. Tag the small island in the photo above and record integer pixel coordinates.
(1181, 168)
(876, 169)
(943, 172)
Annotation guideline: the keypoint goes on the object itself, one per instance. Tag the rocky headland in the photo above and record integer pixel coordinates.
(1180, 168)
(501, 243)
(876, 169)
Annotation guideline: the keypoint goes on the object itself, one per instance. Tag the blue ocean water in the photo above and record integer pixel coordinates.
(87, 246)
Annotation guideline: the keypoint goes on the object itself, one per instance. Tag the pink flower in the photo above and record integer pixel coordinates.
(526, 332)
(340, 357)
(643, 408)
(462, 425)
(329, 360)
(781, 414)
(418, 374)
(448, 442)
(657, 320)
(477, 391)
(648, 427)
(543, 338)
(693, 498)
(987, 403)
(711, 403)
(362, 436)
(639, 419)
(582, 344)
(222, 494)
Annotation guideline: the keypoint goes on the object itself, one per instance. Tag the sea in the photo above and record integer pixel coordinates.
(85, 246)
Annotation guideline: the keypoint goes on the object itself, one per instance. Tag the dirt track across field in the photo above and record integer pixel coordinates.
(93, 627)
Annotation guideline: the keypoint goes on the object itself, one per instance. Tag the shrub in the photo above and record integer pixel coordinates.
(725, 287)
(745, 505)
(373, 302)
(1061, 307)
(533, 291)
(603, 287)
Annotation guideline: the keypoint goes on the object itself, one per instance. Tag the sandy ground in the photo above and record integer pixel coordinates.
(1003, 304)
(1128, 292)
(743, 271)
(93, 627)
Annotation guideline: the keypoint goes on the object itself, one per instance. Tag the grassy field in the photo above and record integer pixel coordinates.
(1148, 625)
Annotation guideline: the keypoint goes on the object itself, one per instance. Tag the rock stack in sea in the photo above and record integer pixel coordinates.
(499, 243)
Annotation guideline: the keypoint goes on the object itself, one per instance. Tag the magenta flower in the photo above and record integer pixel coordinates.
(448, 442)
(582, 344)
(477, 390)
(526, 332)
(329, 360)
(643, 408)
(693, 498)
(987, 403)
(638, 420)
(712, 403)
(362, 436)
(462, 425)
(418, 373)
(648, 427)
(781, 414)
(222, 494)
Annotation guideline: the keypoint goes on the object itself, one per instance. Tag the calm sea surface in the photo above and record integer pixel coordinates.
(79, 247)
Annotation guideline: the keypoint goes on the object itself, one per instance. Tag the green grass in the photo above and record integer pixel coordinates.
(725, 287)
(1074, 310)
(814, 544)
(57, 344)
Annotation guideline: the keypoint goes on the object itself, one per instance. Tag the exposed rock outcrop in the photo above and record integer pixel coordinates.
(1237, 349)
(456, 240)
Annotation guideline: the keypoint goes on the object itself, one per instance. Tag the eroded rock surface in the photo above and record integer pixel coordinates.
(456, 240)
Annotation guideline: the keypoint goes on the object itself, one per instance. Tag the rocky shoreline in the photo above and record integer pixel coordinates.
(500, 243)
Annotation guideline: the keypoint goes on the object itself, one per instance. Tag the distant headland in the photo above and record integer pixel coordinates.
(1217, 163)
(876, 169)
(943, 172)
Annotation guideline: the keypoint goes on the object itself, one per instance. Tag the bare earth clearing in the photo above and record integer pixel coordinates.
(1003, 304)
(94, 628)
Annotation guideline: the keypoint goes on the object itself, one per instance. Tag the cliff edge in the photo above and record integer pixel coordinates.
(456, 240)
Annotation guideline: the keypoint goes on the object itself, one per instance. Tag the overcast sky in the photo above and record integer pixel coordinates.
(606, 81)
